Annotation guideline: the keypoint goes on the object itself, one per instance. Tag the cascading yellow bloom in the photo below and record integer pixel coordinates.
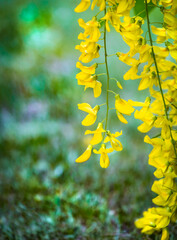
(85, 156)
(167, 192)
(92, 113)
(99, 3)
(91, 30)
(122, 106)
(154, 219)
(114, 20)
(83, 6)
(97, 134)
(145, 115)
(89, 50)
(86, 78)
(159, 76)
(104, 159)
(115, 143)
(89, 70)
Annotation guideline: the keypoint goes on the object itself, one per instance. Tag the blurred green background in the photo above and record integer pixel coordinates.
(44, 194)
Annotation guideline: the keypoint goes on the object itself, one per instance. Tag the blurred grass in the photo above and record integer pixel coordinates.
(44, 194)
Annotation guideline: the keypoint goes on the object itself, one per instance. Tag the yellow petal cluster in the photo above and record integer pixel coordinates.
(85, 156)
(87, 76)
(97, 134)
(104, 159)
(83, 6)
(92, 113)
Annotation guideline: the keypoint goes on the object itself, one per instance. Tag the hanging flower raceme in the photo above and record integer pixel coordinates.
(154, 66)
(160, 113)
(87, 77)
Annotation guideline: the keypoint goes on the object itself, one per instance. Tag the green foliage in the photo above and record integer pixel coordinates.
(140, 10)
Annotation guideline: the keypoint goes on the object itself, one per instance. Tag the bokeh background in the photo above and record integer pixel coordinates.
(44, 194)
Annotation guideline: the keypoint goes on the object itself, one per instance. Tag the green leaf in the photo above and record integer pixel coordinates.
(139, 8)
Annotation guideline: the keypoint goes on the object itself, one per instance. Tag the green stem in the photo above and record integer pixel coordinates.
(112, 92)
(101, 74)
(102, 104)
(114, 54)
(107, 73)
(158, 76)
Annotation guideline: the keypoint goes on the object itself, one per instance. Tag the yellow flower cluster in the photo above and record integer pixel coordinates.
(159, 110)
(112, 11)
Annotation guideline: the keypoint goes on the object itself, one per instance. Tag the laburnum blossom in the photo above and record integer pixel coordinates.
(89, 50)
(148, 78)
(154, 219)
(162, 157)
(92, 32)
(167, 192)
(159, 77)
(104, 159)
(88, 80)
(131, 30)
(99, 3)
(125, 6)
(123, 106)
(115, 143)
(92, 113)
(83, 6)
(97, 134)
(113, 18)
(145, 115)
(86, 155)
(133, 104)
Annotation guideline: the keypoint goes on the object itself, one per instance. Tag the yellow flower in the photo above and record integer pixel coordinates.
(123, 106)
(161, 52)
(97, 137)
(125, 6)
(85, 69)
(149, 78)
(154, 219)
(92, 113)
(91, 29)
(116, 144)
(114, 20)
(83, 6)
(89, 50)
(165, 234)
(132, 73)
(166, 189)
(96, 85)
(146, 116)
(99, 3)
(85, 156)
(121, 117)
(131, 31)
(160, 32)
(104, 159)
(173, 51)
(124, 57)
(170, 19)
(90, 81)
(136, 104)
